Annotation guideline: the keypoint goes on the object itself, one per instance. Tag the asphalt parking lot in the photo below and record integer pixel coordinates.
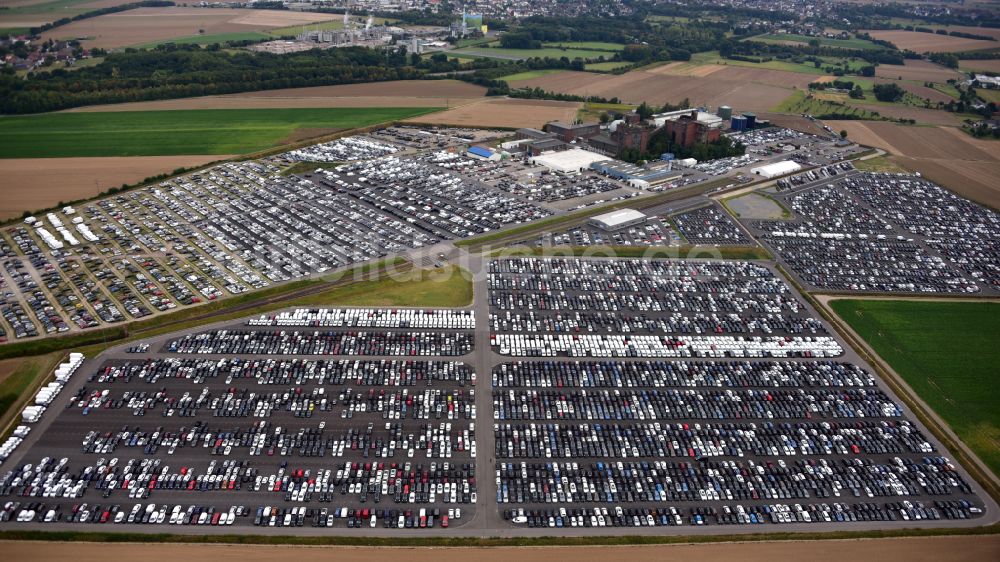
(606, 445)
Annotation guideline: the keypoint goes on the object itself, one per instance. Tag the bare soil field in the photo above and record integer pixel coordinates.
(930, 42)
(975, 180)
(795, 122)
(148, 25)
(981, 65)
(946, 155)
(658, 88)
(919, 114)
(919, 549)
(919, 90)
(687, 69)
(504, 112)
(924, 71)
(29, 184)
(397, 93)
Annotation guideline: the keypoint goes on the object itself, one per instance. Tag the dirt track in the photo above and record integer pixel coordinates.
(28, 184)
(931, 549)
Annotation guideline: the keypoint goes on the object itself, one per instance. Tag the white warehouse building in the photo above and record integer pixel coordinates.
(568, 161)
(616, 220)
(776, 169)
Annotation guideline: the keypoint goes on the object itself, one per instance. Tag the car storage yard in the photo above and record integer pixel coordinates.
(698, 395)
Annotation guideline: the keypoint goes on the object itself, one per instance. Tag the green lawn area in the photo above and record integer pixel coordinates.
(56, 8)
(210, 38)
(948, 354)
(587, 45)
(592, 111)
(152, 133)
(17, 375)
(879, 164)
(988, 95)
(712, 57)
(798, 103)
(446, 287)
(521, 54)
(605, 66)
(530, 74)
(842, 43)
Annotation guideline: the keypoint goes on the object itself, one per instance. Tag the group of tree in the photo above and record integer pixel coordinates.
(660, 142)
(176, 71)
(888, 92)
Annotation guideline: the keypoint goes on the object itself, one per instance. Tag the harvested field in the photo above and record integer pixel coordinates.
(945, 155)
(916, 549)
(398, 93)
(919, 114)
(29, 184)
(981, 65)
(974, 180)
(687, 69)
(919, 70)
(504, 112)
(795, 122)
(657, 88)
(149, 25)
(919, 90)
(930, 42)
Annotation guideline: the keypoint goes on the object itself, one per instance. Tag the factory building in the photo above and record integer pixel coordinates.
(571, 131)
(636, 175)
(689, 127)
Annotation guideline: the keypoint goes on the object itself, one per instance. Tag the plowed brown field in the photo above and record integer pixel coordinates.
(930, 42)
(917, 549)
(921, 70)
(739, 90)
(29, 184)
(946, 155)
(504, 112)
(148, 25)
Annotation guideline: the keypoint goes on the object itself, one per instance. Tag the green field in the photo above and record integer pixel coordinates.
(605, 66)
(587, 45)
(798, 103)
(445, 287)
(879, 164)
(528, 75)
(948, 354)
(712, 57)
(591, 111)
(521, 54)
(56, 8)
(823, 41)
(210, 38)
(153, 133)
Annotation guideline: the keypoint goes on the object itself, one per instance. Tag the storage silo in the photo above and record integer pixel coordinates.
(725, 112)
(738, 123)
(751, 120)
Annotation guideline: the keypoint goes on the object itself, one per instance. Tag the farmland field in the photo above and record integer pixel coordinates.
(713, 58)
(919, 90)
(29, 184)
(155, 133)
(981, 65)
(823, 41)
(212, 38)
(503, 112)
(735, 89)
(947, 156)
(587, 45)
(605, 66)
(530, 74)
(144, 26)
(799, 103)
(920, 70)
(521, 54)
(396, 93)
(947, 353)
(925, 42)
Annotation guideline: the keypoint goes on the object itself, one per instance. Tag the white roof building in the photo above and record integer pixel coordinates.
(568, 161)
(776, 169)
(618, 219)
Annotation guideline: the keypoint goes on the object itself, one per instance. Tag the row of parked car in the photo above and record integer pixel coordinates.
(369, 318)
(261, 342)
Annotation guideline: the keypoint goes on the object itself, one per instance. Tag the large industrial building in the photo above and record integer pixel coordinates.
(640, 176)
(568, 161)
(617, 220)
(689, 127)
